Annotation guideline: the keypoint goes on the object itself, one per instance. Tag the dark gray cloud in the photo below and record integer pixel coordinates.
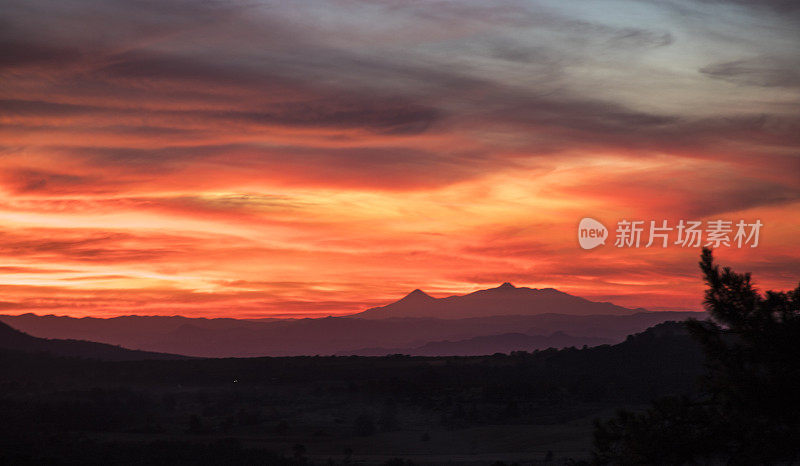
(781, 6)
(386, 115)
(179, 70)
(39, 108)
(760, 71)
(641, 38)
(566, 122)
(505, 13)
(16, 53)
(94, 247)
(718, 200)
(388, 168)
(30, 181)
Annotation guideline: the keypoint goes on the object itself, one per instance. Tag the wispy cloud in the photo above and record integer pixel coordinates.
(238, 157)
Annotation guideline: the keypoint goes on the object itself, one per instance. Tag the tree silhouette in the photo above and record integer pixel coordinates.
(749, 411)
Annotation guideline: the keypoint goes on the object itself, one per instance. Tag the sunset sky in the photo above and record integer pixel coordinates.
(311, 158)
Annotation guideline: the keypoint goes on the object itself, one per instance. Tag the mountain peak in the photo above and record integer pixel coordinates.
(505, 287)
(418, 294)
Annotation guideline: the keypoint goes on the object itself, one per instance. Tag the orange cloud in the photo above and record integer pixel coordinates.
(233, 160)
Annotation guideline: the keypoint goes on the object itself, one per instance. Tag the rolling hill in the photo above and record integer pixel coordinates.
(489, 344)
(325, 336)
(12, 339)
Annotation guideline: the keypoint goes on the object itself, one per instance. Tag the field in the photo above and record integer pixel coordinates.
(523, 407)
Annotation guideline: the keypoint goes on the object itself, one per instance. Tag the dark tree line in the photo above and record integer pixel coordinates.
(748, 411)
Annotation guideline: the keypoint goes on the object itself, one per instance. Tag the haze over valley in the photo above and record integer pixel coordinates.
(500, 319)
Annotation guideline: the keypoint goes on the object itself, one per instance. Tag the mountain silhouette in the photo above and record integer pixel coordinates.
(329, 335)
(489, 344)
(12, 339)
(505, 299)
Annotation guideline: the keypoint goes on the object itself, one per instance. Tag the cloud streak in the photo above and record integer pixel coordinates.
(239, 158)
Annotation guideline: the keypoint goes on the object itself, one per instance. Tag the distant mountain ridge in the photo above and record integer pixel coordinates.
(503, 300)
(483, 345)
(12, 339)
(416, 323)
(329, 335)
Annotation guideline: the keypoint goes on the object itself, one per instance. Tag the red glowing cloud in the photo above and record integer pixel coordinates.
(244, 160)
